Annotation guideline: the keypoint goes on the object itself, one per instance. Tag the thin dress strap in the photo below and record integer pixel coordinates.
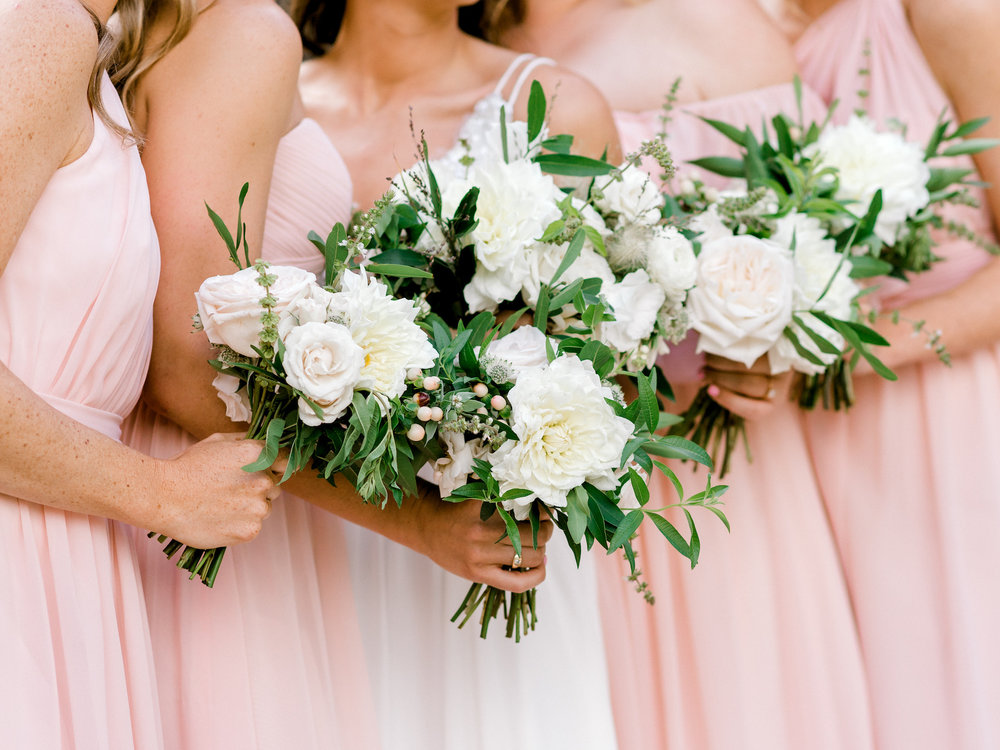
(529, 62)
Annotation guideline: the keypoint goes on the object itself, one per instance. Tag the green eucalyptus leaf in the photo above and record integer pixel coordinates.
(625, 530)
(971, 146)
(671, 534)
(272, 444)
(536, 110)
(721, 165)
(398, 271)
(674, 446)
(572, 165)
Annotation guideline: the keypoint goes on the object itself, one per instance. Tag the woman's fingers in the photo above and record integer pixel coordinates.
(746, 383)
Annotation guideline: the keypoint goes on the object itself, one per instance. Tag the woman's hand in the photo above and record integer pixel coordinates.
(454, 537)
(748, 393)
(206, 499)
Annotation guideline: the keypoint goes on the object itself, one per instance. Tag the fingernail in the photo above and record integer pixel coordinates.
(713, 390)
(545, 559)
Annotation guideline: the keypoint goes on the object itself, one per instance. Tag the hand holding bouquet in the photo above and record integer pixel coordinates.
(316, 371)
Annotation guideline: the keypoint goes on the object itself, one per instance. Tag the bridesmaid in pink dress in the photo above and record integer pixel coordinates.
(271, 657)
(78, 271)
(755, 648)
(910, 474)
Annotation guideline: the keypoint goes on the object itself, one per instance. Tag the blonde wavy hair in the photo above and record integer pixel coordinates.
(133, 55)
(105, 54)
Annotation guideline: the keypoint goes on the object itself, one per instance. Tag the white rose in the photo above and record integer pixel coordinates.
(567, 435)
(671, 262)
(517, 202)
(523, 349)
(312, 309)
(234, 396)
(230, 309)
(634, 197)
(322, 361)
(867, 161)
(816, 262)
(635, 302)
(385, 330)
(452, 471)
(743, 298)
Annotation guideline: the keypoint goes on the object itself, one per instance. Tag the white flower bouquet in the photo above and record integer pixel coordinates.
(771, 282)
(531, 426)
(316, 371)
(875, 194)
(496, 232)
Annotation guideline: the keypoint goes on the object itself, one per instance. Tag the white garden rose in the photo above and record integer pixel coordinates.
(314, 308)
(671, 262)
(517, 202)
(453, 469)
(229, 306)
(743, 297)
(323, 362)
(635, 302)
(523, 349)
(567, 435)
(385, 330)
(868, 160)
(817, 262)
(634, 197)
(234, 396)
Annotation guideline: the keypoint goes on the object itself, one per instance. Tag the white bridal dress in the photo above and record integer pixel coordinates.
(440, 688)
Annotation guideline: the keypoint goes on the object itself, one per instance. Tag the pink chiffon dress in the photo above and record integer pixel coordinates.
(76, 306)
(909, 475)
(756, 647)
(271, 657)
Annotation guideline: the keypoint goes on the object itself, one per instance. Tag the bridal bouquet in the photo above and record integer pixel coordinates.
(316, 371)
(495, 231)
(875, 194)
(532, 426)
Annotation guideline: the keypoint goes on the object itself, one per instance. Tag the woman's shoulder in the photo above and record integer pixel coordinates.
(252, 36)
(46, 39)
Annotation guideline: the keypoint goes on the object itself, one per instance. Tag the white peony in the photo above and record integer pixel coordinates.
(567, 435)
(635, 302)
(868, 160)
(229, 306)
(743, 297)
(671, 262)
(634, 197)
(324, 363)
(453, 469)
(523, 349)
(517, 202)
(384, 329)
(234, 396)
(816, 262)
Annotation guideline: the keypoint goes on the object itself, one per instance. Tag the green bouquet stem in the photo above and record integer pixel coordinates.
(205, 563)
(834, 387)
(707, 423)
(518, 609)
